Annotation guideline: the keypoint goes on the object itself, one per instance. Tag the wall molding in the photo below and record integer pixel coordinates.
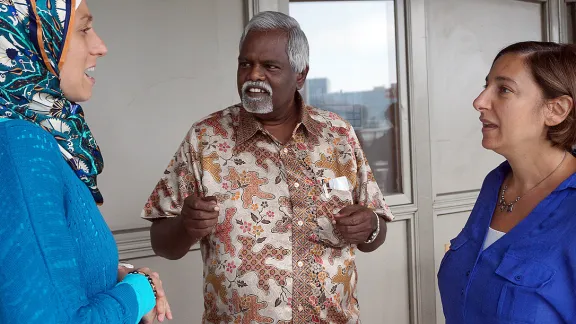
(423, 287)
(135, 243)
(413, 272)
(403, 212)
(455, 202)
(567, 11)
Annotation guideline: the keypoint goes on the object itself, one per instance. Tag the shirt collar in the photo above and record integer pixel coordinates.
(249, 125)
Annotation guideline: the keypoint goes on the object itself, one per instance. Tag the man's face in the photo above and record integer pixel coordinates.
(266, 81)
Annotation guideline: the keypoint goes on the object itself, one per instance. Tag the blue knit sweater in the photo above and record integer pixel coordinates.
(58, 258)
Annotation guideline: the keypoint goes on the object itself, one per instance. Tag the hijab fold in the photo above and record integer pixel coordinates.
(33, 48)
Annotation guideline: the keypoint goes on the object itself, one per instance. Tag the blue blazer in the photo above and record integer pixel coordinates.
(527, 276)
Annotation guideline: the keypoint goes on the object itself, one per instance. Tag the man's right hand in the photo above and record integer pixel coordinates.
(199, 216)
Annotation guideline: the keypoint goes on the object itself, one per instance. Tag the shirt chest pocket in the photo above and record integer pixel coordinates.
(329, 206)
(519, 299)
(452, 275)
(455, 245)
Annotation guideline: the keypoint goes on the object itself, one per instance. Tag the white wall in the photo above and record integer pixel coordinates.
(169, 64)
(464, 37)
(461, 52)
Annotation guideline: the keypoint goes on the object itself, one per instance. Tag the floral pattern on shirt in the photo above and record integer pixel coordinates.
(274, 256)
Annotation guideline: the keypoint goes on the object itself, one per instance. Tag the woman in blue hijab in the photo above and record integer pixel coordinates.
(59, 261)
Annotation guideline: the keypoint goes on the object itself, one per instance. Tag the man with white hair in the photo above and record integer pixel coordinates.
(278, 194)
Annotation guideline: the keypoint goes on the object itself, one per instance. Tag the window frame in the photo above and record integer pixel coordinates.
(406, 196)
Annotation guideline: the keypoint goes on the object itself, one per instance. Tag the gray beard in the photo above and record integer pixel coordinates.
(257, 106)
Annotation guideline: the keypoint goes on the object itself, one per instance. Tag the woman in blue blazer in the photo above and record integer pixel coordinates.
(515, 260)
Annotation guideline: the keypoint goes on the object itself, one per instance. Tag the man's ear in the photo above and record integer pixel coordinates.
(301, 78)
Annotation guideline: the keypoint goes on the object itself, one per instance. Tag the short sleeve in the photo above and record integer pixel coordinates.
(367, 188)
(182, 178)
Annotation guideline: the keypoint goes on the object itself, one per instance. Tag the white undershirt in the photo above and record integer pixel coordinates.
(492, 236)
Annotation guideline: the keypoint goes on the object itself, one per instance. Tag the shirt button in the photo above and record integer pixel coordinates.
(296, 185)
(285, 150)
(467, 273)
(462, 292)
(300, 223)
(300, 308)
(300, 264)
(518, 278)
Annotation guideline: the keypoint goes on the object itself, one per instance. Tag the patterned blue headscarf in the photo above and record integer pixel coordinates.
(33, 47)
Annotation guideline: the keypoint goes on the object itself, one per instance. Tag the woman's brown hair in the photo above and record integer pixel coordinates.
(553, 67)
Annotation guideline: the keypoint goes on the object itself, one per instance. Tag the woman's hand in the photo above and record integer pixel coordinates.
(123, 270)
(162, 309)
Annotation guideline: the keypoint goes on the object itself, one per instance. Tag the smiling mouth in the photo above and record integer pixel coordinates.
(86, 73)
(256, 92)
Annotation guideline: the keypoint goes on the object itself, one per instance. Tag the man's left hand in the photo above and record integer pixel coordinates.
(356, 223)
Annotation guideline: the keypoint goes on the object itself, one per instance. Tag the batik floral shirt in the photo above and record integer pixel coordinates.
(274, 256)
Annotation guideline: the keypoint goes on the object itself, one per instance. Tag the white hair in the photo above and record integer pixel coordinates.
(297, 48)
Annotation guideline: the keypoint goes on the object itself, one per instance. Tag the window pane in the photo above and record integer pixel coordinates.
(353, 73)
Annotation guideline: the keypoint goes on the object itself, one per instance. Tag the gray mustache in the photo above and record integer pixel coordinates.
(257, 84)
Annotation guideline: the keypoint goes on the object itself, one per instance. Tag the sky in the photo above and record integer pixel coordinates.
(352, 43)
